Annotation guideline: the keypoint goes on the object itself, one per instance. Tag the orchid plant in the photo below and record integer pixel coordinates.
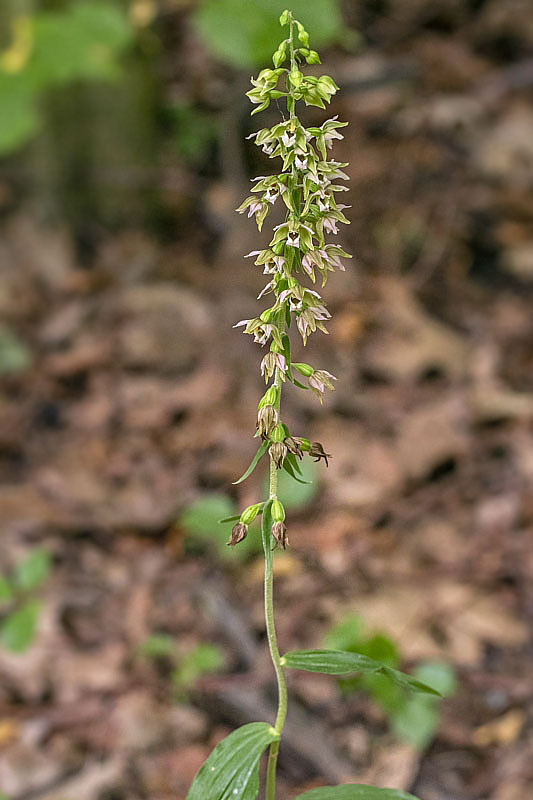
(307, 186)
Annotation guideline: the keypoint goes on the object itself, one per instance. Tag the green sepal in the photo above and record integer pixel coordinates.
(255, 461)
(354, 791)
(342, 662)
(232, 769)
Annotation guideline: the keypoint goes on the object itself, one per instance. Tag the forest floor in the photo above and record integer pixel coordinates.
(130, 399)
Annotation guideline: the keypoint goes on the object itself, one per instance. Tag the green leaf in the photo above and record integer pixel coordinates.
(438, 674)
(158, 645)
(202, 517)
(255, 461)
(288, 467)
(346, 634)
(232, 769)
(32, 571)
(19, 121)
(340, 662)
(17, 631)
(295, 495)
(15, 356)
(6, 591)
(416, 721)
(201, 660)
(354, 791)
(233, 518)
(417, 718)
(81, 42)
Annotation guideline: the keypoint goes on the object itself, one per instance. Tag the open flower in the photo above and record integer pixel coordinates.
(269, 364)
(288, 139)
(320, 380)
(330, 224)
(271, 194)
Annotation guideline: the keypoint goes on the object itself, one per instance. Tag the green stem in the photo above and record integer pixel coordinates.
(272, 640)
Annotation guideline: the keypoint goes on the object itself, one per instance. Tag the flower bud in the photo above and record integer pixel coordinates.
(266, 315)
(238, 533)
(278, 434)
(293, 446)
(269, 398)
(279, 532)
(267, 419)
(279, 56)
(313, 57)
(250, 513)
(304, 369)
(278, 451)
(277, 510)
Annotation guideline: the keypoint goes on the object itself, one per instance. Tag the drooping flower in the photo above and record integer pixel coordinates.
(279, 532)
(320, 380)
(267, 419)
(288, 139)
(317, 452)
(278, 451)
(269, 364)
(238, 533)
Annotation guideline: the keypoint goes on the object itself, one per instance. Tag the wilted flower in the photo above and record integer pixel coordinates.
(238, 533)
(279, 532)
(278, 451)
(267, 419)
(293, 446)
(317, 452)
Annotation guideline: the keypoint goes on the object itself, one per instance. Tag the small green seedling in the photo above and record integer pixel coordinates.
(19, 606)
(187, 666)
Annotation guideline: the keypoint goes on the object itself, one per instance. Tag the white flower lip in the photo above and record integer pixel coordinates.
(288, 139)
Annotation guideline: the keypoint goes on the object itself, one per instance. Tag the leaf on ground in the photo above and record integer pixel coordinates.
(18, 630)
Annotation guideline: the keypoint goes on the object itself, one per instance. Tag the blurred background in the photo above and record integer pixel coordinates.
(131, 639)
